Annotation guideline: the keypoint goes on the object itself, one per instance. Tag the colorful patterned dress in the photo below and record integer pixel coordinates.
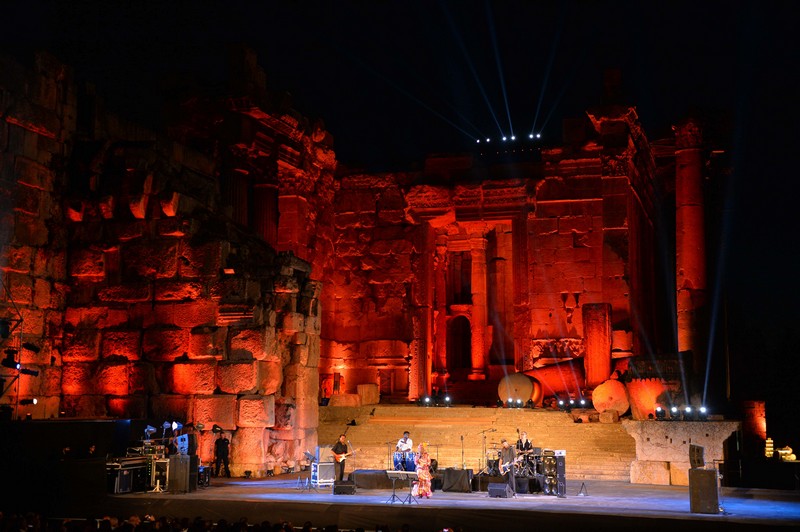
(423, 473)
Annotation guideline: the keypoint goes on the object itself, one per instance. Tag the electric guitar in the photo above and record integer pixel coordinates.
(340, 457)
(505, 467)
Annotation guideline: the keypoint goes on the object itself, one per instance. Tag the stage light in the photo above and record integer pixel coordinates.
(513, 137)
(687, 413)
(166, 425)
(519, 403)
(499, 403)
(582, 402)
(31, 372)
(216, 429)
(530, 404)
(571, 403)
(538, 135)
(530, 136)
(487, 140)
(478, 141)
(447, 400)
(674, 413)
(148, 431)
(10, 362)
(5, 328)
(28, 401)
(661, 414)
(702, 414)
(426, 401)
(199, 426)
(176, 426)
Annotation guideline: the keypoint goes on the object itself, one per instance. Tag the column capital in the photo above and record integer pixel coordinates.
(688, 134)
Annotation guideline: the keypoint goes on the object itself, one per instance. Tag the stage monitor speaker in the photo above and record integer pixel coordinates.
(323, 473)
(344, 487)
(501, 490)
(703, 494)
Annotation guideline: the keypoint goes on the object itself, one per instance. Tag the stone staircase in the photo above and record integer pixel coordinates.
(595, 451)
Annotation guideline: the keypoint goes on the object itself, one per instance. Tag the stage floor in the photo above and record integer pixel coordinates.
(617, 505)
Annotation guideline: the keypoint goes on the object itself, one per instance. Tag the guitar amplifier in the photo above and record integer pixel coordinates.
(323, 473)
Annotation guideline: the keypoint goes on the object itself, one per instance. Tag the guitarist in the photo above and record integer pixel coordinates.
(339, 452)
(506, 462)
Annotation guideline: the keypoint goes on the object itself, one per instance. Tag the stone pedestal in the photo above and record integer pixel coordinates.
(662, 447)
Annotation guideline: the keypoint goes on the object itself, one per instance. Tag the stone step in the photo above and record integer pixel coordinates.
(595, 451)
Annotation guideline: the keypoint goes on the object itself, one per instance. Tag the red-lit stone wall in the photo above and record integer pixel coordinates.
(148, 292)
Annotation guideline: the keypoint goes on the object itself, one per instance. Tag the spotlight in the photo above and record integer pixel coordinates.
(510, 403)
(478, 141)
(513, 137)
(166, 425)
(530, 404)
(199, 426)
(487, 140)
(661, 414)
(702, 414)
(248, 473)
(566, 406)
(176, 426)
(426, 401)
(504, 139)
(538, 135)
(28, 401)
(530, 136)
(447, 400)
(31, 372)
(10, 362)
(499, 403)
(149, 431)
(582, 402)
(5, 328)
(687, 413)
(674, 413)
(519, 403)
(216, 429)
(571, 403)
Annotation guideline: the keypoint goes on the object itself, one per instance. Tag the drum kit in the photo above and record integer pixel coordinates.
(526, 464)
(405, 461)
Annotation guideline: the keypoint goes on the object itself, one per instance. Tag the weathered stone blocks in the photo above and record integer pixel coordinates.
(650, 472)
(192, 377)
(219, 409)
(237, 377)
(256, 411)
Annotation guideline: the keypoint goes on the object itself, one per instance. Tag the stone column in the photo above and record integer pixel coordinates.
(597, 339)
(690, 250)
(439, 369)
(293, 225)
(265, 212)
(479, 310)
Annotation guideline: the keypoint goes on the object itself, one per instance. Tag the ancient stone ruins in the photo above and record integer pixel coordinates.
(227, 272)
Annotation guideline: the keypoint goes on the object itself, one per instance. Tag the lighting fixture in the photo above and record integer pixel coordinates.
(176, 426)
(216, 429)
(10, 362)
(28, 401)
(530, 136)
(687, 413)
(447, 400)
(530, 404)
(702, 414)
(661, 414)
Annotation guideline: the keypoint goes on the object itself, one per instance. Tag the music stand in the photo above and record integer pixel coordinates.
(394, 476)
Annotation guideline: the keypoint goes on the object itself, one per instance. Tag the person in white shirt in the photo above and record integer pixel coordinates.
(405, 444)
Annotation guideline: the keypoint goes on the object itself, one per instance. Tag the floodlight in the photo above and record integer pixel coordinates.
(530, 136)
(166, 425)
(426, 401)
(674, 413)
(28, 401)
(10, 361)
(530, 404)
(487, 140)
(538, 135)
(478, 141)
(687, 413)
(504, 139)
(661, 414)
(447, 400)
(148, 431)
(702, 414)
(582, 402)
(519, 403)
(176, 426)
(513, 137)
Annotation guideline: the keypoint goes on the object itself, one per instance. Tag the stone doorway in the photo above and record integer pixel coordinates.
(459, 348)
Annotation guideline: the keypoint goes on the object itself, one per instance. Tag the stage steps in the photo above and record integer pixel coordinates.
(595, 451)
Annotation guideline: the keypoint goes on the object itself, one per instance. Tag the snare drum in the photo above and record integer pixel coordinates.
(410, 461)
(399, 461)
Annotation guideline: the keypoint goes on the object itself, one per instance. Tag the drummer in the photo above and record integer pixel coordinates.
(524, 445)
(404, 444)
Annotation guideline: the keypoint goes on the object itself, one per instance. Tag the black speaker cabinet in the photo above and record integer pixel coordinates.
(522, 484)
(344, 487)
(703, 495)
(500, 490)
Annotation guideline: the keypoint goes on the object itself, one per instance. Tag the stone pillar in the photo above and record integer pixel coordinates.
(597, 339)
(479, 309)
(439, 369)
(265, 212)
(293, 225)
(690, 250)
(237, 186)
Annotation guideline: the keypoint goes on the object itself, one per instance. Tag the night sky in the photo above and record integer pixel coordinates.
(396, 80)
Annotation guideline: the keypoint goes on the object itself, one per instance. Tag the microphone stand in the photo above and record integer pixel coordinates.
(463, 463)
(353, 453)
(389, 461)
(484, 468)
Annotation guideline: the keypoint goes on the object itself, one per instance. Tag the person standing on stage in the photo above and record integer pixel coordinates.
(222, 451)
(506, 461)
(339, 452)
(423, 462)
(523, 443)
